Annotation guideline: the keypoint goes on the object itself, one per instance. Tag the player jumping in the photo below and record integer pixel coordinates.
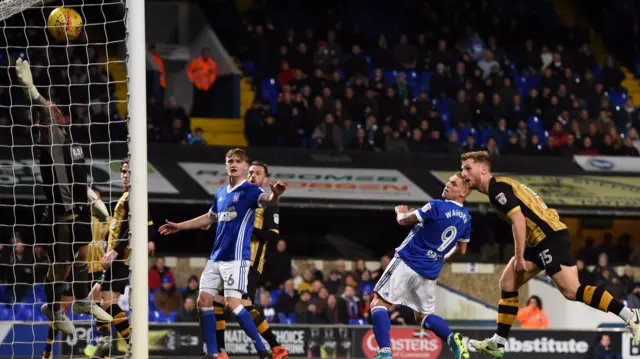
(227, 269)
(100, 215)
(440, 228)
(68, 218)
(265, 230)
(548, 248)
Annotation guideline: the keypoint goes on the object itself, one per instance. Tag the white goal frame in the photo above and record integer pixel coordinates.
(137, 102)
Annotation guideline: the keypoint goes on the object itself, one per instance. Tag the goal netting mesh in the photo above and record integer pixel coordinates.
(86, 78)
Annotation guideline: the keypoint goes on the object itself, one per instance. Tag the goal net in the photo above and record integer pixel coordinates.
(86, 79)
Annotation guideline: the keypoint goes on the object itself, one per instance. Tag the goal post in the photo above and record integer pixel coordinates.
(64, 79)
(135, 23)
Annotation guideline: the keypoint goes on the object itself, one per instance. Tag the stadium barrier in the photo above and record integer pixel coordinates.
(358, 180)
(323, 341)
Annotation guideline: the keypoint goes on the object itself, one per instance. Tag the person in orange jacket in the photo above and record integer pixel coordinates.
(532, 316)
(202, 72)
(158, 87)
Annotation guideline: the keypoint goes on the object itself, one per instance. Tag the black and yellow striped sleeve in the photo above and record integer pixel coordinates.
(503, 198)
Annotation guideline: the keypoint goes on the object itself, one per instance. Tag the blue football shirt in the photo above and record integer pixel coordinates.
(442, 224)
(235, 211)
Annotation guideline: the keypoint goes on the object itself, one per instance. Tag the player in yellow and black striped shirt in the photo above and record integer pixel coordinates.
(265, 230)
(116, 269)
(542, 242)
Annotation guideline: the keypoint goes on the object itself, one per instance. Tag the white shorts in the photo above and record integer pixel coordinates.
(401, 285)
(230, 276)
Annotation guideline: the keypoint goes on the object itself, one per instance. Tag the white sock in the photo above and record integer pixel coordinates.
(626, 314)
(496, 339)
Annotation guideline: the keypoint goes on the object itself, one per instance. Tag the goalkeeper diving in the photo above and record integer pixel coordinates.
(67, 221)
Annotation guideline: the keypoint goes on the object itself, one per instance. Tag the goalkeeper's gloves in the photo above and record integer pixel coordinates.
(23, 70)
(98, 208)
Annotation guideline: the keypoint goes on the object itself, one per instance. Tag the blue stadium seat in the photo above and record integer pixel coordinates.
(464, 132)
(390, 76)
(484, 136)
(157, 316)
(172, 317)
(368, 58)
(268, 86)
(341, 72)
(249, 68)
(535, 124)
(357, 322)
(6, 314)
(274, 295)
(4, 294)
(413, 78)
(618, 98)
(23, 311)
(39, 293)
(283, 318)
(425, 78)
(596, 70)
(443, 106)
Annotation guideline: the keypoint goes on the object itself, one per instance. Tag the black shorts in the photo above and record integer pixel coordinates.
(551, 252)
(65, 234)
(252, 284)
(116, 278)
(95, 277)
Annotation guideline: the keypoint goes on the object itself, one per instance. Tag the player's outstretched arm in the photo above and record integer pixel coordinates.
(206, 219)
(23, 71)
(270, 199)
(406, 217)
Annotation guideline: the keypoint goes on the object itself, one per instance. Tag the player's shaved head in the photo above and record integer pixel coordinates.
(477, 157)
(238, 152)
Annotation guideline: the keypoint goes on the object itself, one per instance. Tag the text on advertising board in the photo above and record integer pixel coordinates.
(322, 182)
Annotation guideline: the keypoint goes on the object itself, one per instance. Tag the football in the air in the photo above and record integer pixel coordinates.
(64, 23)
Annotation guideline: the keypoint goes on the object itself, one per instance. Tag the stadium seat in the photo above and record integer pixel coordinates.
(341, 72)
(172, 317)
(268, 86)
(443, 106)
(618, 98)
(390, 76)
(484, 136)
(23, 311)
(357, 322)
(413, 78)
(157, 317)
(249, 68)
(274, 295)
(283, 318)
(6, 314)
(464, 132)
(535, 124)
(39, 293)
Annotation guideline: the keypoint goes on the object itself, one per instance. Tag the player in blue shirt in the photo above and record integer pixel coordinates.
(440, 229)
(233, 209)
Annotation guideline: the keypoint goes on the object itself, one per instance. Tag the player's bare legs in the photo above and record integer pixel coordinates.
(382, 327)
(510, 282)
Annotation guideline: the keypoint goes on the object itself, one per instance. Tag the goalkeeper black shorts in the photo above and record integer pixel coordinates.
(116, 278)
(64, 234)
(551, 252)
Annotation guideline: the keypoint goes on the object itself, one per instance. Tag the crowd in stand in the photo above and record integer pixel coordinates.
(292, 294)
(491, 85)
